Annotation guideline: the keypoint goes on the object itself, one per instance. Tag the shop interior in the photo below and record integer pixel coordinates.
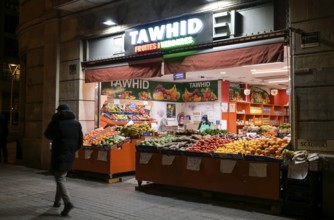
(270, 78)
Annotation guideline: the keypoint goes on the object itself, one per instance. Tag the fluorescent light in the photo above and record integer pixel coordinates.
(109, 22)
(278, 81)
(253, 71)
(261, 64)
(222, 73)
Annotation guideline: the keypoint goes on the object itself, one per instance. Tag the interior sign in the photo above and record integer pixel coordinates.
(172, 33)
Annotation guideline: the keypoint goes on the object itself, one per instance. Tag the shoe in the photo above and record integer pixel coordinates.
(56, 204)
(68, 207)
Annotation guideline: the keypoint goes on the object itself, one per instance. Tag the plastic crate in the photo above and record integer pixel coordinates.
(302, 193)
(302, 209)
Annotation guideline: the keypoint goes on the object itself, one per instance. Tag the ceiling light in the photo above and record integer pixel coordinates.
(246, 91)
(253, 71)
(278, 81)
(274, 92)
(222, 73)
(261, 64)
(109, 22)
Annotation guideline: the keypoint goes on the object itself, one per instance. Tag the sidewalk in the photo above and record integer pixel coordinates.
(27, 193)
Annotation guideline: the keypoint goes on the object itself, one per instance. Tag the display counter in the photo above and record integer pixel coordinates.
(107, 161)
(259, 179)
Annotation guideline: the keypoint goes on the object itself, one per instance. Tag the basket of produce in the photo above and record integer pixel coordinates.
(206, 146)
(213, 132)
(136, 130)
(154, 144)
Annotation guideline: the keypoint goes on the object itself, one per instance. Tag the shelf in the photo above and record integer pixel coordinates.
(256, 114)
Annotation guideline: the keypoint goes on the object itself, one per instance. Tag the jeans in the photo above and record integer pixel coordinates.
(62, 192)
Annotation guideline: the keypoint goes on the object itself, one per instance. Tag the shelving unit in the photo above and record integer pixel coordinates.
(121, 113)
(247, 113)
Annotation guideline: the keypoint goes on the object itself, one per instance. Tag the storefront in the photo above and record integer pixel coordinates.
(176, 53)
(81, 58)
(177, 70)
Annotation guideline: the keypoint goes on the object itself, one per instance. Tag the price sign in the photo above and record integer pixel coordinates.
(88, 154)
(167, 160)
(102, 155)
(194, 163)
(227, 166)
(145, 158)
(258, 169)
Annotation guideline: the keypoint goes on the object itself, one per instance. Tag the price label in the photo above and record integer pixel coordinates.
(102, 155)
(145, 158)
(194, 163)
(88, 154)
(167, 160)
(258, 169)
(227, 166)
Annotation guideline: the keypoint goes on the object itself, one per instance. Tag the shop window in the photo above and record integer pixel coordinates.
(11, 47)
(107, 47)
(11, 22)
(12, 4)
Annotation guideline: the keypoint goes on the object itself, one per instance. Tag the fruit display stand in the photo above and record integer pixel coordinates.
(109, 162)
(241, 177)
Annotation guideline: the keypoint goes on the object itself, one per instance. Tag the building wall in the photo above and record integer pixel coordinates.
(314, 83)
(51, 41)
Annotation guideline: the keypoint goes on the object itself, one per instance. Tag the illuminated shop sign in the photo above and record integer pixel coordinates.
(169, 34)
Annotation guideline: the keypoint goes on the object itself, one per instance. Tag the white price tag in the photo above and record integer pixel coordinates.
(167, 160)
(227, 166)
(102, 155)
(145, 158)
(88, 154)
(194, 163)
(258, 169)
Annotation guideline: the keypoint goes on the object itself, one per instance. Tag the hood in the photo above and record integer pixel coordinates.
(64, 115)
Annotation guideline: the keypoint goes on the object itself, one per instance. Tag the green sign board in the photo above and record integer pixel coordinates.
(139, 89)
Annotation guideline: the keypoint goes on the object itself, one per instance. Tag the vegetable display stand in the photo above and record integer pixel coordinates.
(109, 162)
(256, 179)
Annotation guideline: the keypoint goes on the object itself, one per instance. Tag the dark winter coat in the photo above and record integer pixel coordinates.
(67, 137)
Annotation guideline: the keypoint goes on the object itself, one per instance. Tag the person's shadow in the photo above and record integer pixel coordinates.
(12, 213)
(48, 214)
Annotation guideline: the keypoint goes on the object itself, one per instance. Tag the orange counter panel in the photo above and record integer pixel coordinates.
(210, 178)
(118, 160)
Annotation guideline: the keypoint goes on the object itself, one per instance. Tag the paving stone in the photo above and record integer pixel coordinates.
(27, 193)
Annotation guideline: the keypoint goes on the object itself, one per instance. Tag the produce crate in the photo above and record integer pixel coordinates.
(302, 209)
(229, 156)
(261, 158)
(149, 149)
(301, 193)
(197, 154)
(172, 152)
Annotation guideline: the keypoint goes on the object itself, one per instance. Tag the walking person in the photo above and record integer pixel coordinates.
(67, 137)
(3, 137)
